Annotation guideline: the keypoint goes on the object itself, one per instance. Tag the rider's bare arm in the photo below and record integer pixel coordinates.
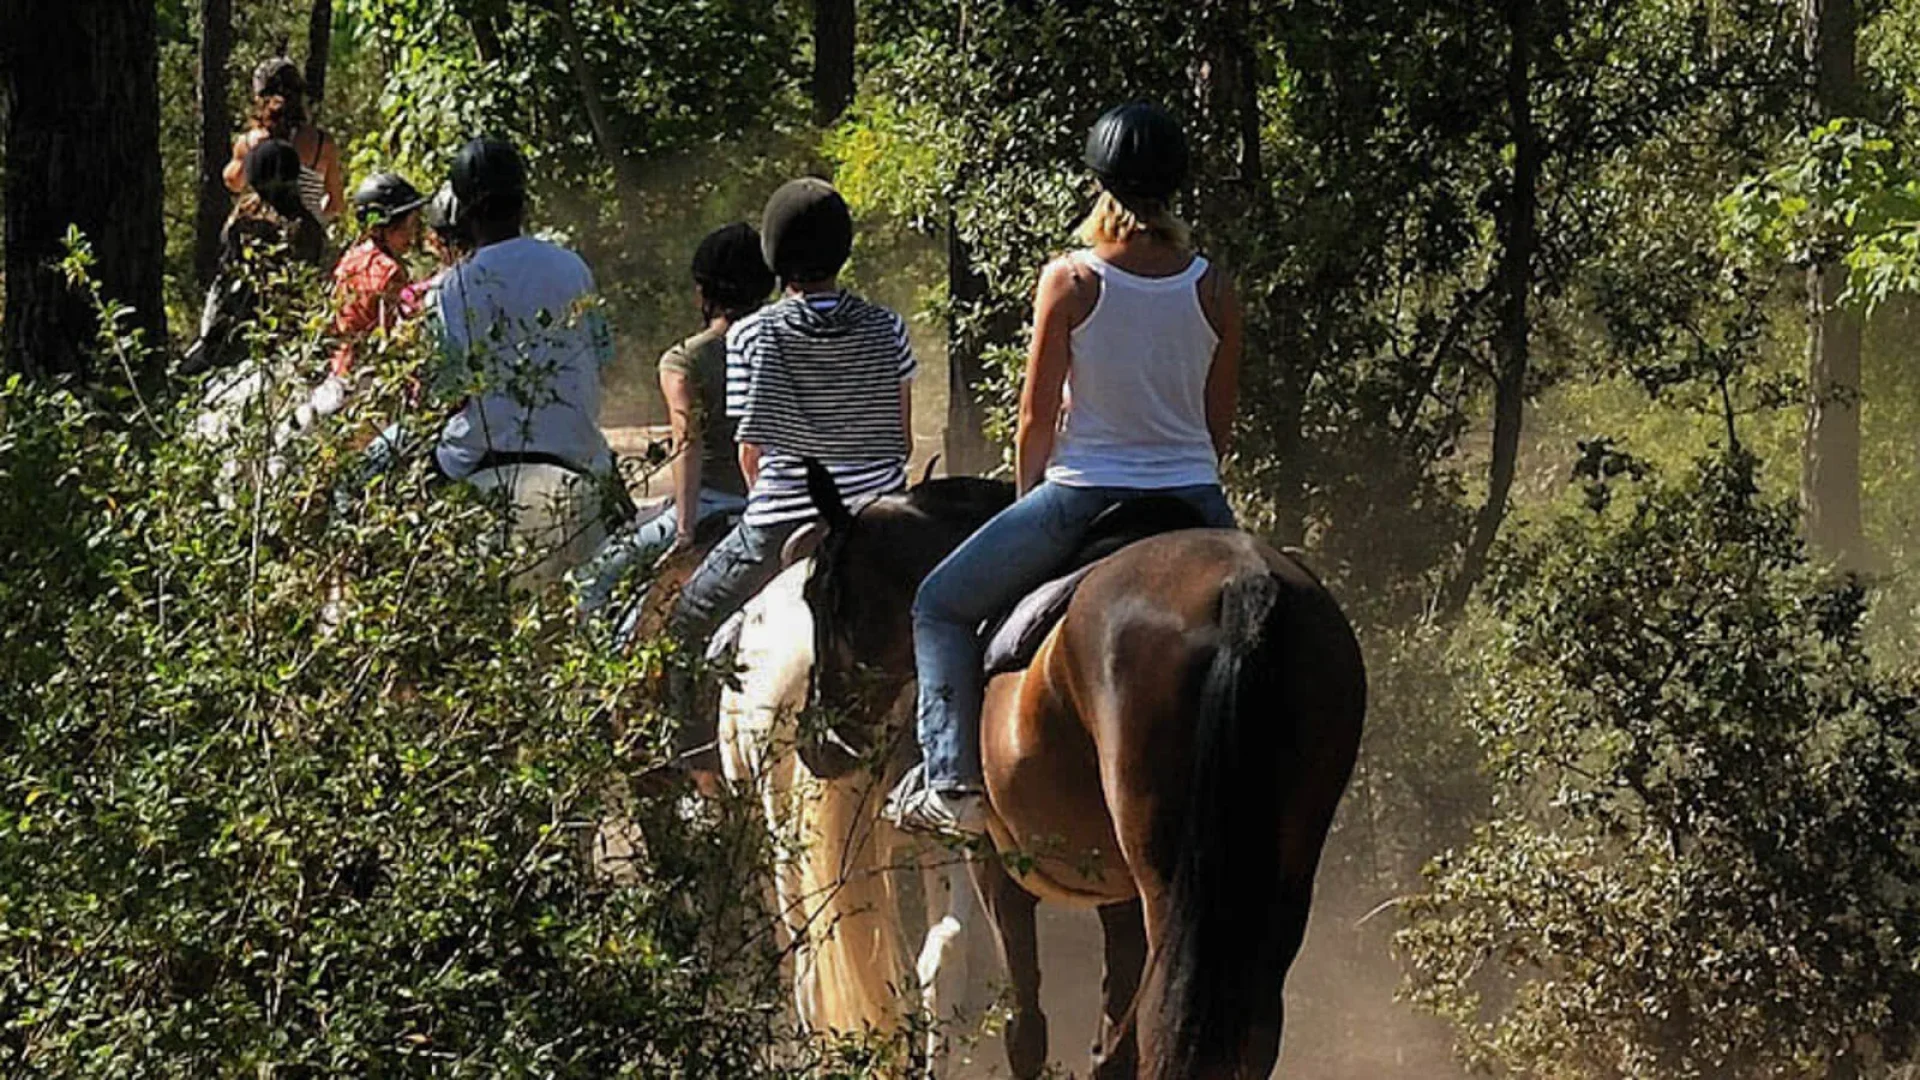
(1063, 301)
(235, 174)
(750, 463)
(1222, 306)
(678, 390)
(327, 163)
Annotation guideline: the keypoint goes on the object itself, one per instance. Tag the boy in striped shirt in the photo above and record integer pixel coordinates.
(820, 374)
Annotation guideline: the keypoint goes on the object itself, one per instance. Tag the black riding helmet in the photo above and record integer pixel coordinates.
(1138, 151)
(488, 174)
(385, 198)
(272, 168)
(808, 231)
(730, 268)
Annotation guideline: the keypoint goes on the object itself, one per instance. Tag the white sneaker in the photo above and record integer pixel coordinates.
(916, 807)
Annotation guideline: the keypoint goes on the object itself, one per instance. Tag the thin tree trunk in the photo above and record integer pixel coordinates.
(83, 149)
(588, 79)
(967, 451)
(1226, 87)
(1830, 452)
(833, 40)
(1513, 341)
(486, 38)
(319, 51)
(216, 129)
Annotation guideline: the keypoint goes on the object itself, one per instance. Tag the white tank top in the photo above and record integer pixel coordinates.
(1136, 394)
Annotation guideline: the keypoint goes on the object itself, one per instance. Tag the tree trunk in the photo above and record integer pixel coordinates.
(216, 131)
(833, 35)
(1512, 343)
(83, 149)
(1830, 453)
(588, 79)
(319, 51)
(1231, 176)
(967, 451)
(486, 38)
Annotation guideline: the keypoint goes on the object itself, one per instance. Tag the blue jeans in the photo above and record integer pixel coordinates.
(738, 567)
(1020, 549)
(637, 545)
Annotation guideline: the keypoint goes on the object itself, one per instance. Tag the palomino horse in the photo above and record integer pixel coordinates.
(1172, 757)
(839, 868)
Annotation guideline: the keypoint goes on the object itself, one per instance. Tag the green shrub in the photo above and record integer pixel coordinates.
(296, 789)
(1704, 854)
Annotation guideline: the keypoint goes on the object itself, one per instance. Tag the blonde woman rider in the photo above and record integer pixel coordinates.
(1130, 389)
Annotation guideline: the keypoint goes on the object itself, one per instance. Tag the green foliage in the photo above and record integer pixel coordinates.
(1700, 860)
(1852, 195)
(290, 783)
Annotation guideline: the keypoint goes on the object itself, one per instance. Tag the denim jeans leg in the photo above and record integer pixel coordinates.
(738, 567)
(631, 546)
(627, 619)
(1020, 548)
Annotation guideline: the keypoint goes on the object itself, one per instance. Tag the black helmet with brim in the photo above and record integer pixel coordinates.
(807, 231)
(1138, 151)
(385, 198)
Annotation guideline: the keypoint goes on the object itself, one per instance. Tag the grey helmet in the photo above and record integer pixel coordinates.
(443, 217)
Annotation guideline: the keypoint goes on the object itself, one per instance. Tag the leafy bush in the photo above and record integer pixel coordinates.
(1704, 855)
(295, 786)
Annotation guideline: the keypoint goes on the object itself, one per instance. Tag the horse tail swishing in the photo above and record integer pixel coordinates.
(1216, 984)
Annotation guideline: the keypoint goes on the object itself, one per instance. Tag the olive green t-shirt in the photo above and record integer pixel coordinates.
(702, 360)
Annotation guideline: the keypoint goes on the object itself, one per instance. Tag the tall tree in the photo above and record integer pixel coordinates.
(972, 326)
(587, 76)
(216, 128)
(1518, 227)
(833, 35)
(319, 50)
(83, 149)
(1830, 458)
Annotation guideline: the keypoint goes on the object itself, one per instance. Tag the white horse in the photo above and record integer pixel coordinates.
(840, 866)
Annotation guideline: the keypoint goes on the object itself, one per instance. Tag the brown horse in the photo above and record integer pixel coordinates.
(1172, 757)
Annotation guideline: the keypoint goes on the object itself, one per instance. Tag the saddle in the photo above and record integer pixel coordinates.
(1013, 639)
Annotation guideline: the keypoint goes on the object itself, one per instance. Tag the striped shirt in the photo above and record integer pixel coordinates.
(819, 377)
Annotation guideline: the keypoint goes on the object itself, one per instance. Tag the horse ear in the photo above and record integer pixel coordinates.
(927, 473)
(826, 496)
(802, 544)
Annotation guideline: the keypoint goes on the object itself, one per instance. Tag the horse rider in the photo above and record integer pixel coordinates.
(822, 374)
(280, 112)
(269, 227)
(369, 280)
(1130, 390)
(522, 335)
(730, 282)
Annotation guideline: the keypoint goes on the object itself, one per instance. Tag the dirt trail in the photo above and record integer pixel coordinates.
(1342, 1021)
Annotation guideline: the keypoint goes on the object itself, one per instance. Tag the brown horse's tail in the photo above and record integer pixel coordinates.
(1217, 957)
